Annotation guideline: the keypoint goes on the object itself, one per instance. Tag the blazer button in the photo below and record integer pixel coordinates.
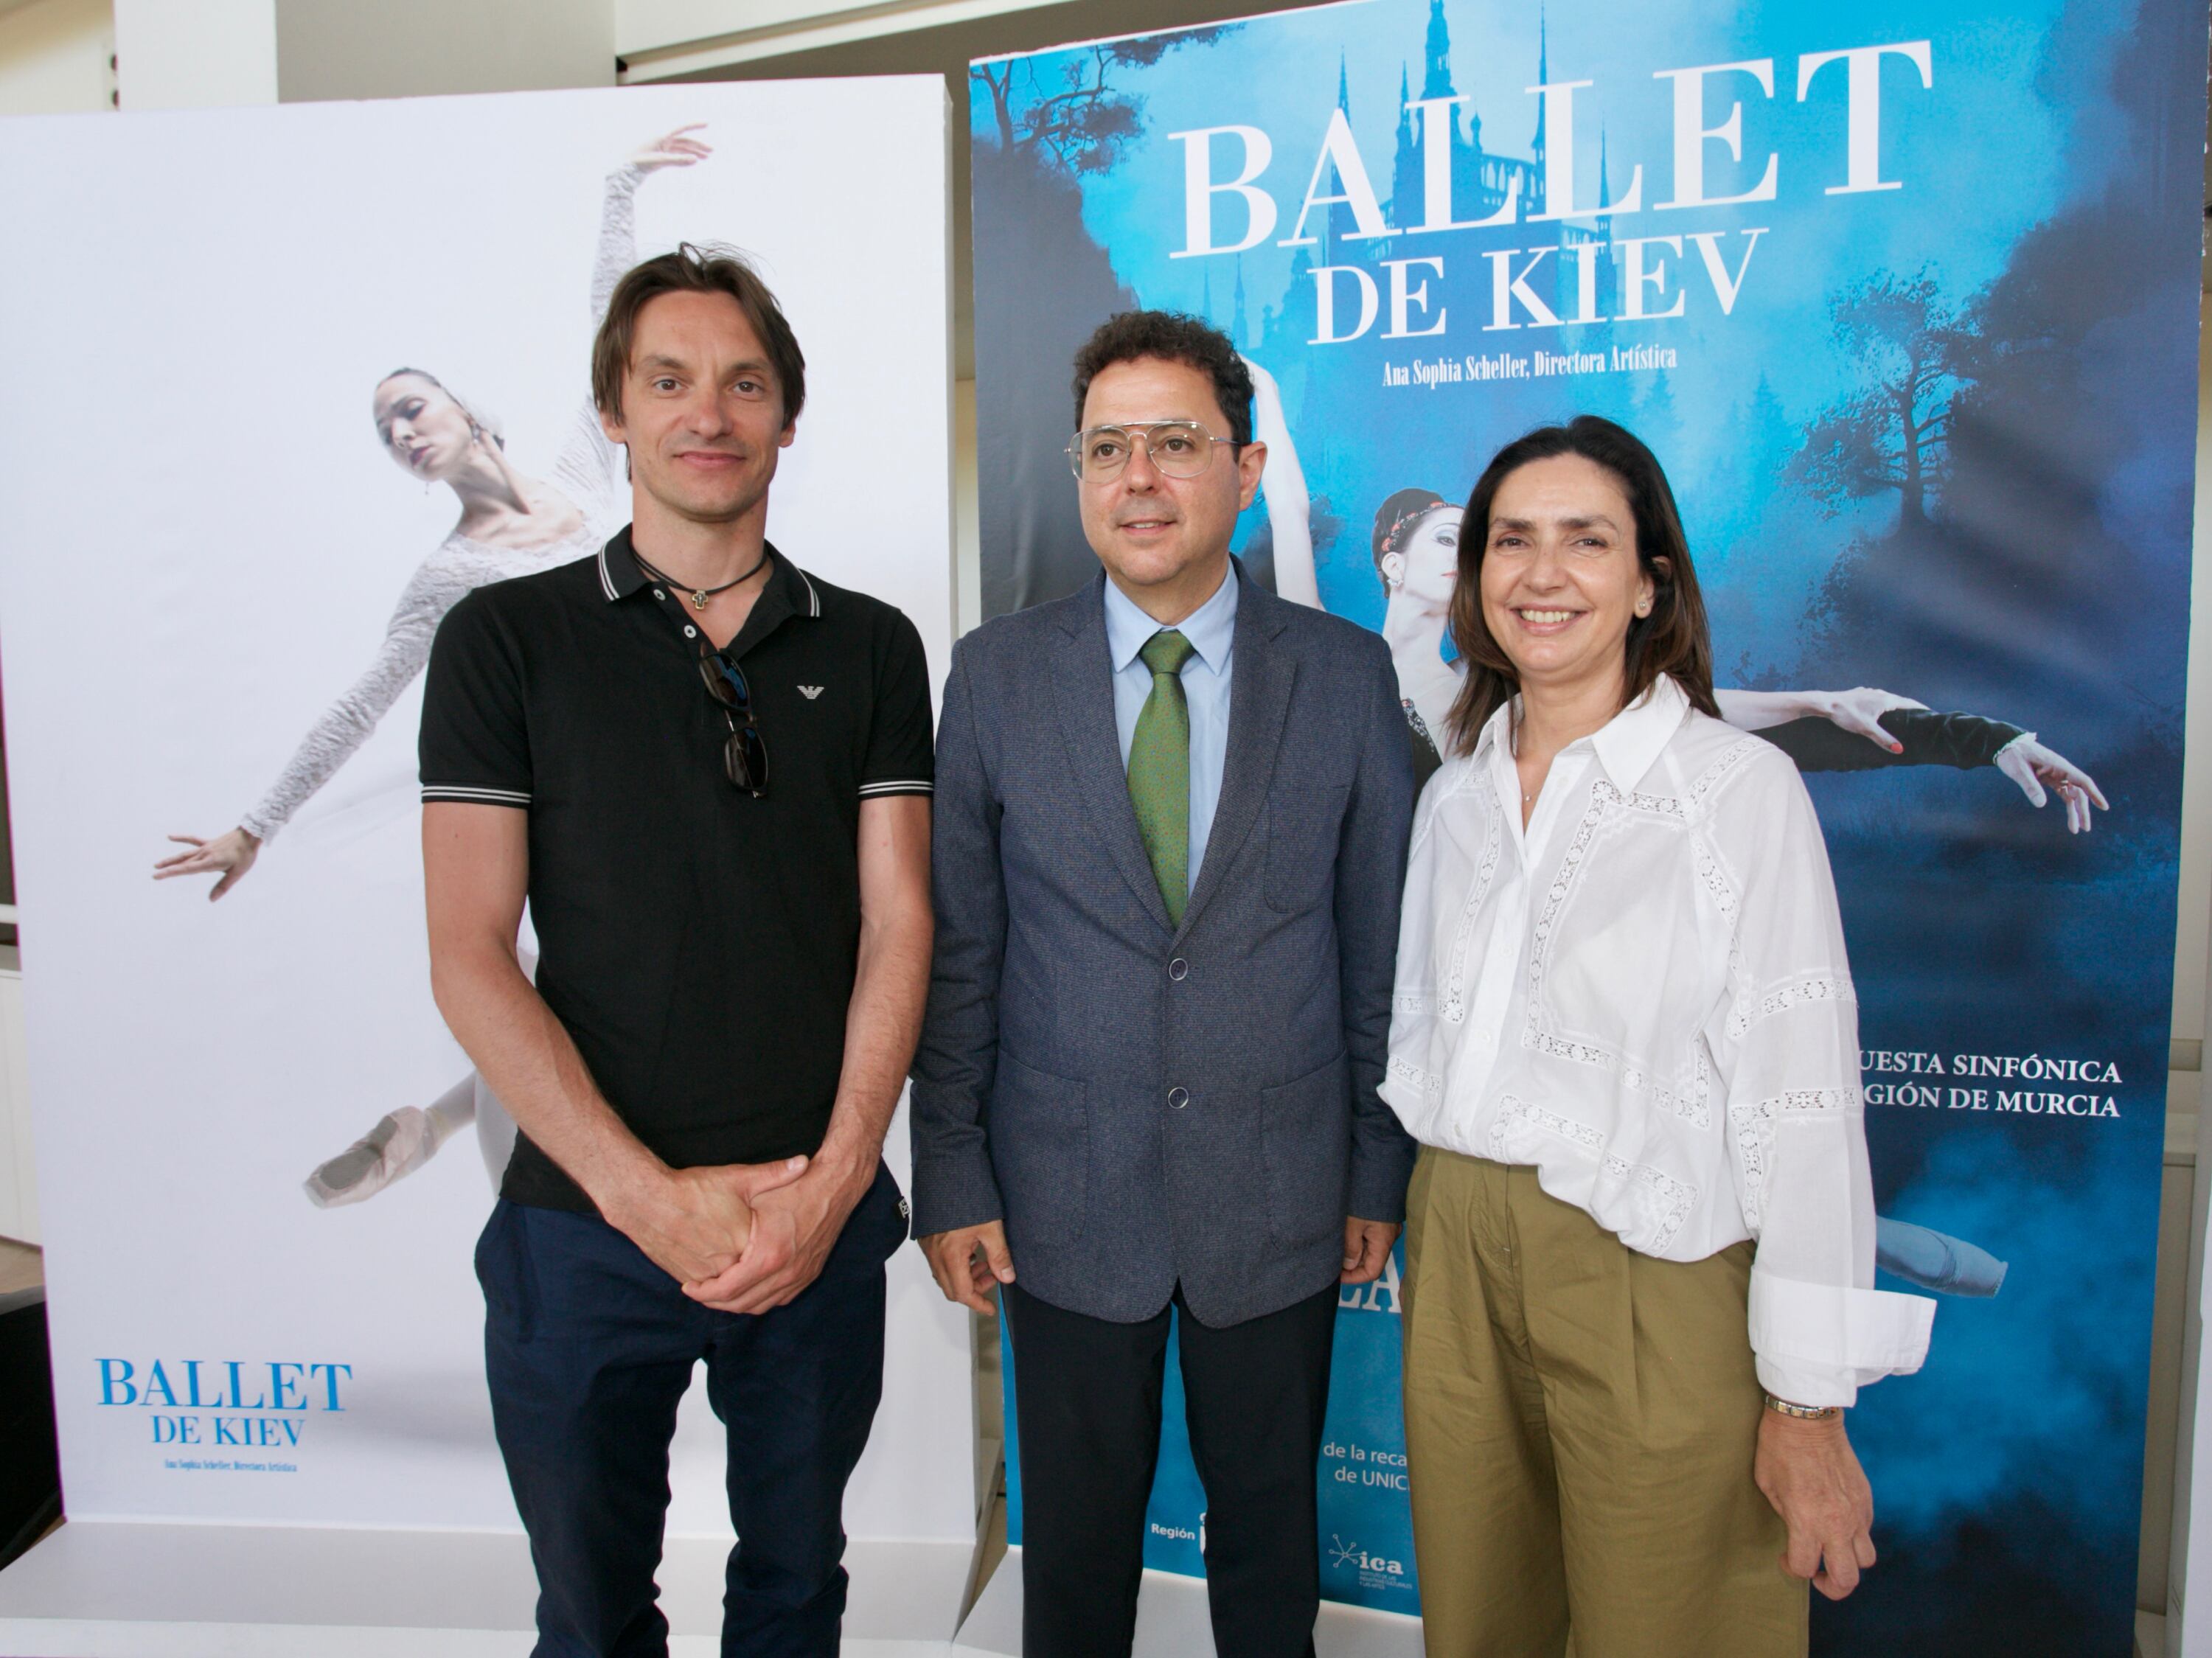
(1178, 970)
(1178, 1098)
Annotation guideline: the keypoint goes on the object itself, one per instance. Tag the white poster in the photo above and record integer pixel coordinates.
(215, 587)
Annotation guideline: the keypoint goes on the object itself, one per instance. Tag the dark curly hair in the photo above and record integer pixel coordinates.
(1172, 337)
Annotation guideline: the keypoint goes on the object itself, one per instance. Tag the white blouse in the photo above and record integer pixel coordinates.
(1644, 995)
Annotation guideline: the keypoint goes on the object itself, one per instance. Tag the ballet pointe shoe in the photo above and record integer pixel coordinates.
(400, 1144)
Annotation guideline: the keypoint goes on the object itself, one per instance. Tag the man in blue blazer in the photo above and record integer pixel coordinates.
(1169, 834)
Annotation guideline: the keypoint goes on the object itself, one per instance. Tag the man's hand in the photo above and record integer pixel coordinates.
(1809, 1473)
(968, 1263)
(696, 1222)
(1366, 1248)
(793, 1229)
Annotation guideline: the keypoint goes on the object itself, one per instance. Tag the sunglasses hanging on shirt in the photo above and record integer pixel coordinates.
(744, 756)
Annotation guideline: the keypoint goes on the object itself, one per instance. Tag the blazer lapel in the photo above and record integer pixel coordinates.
(1082, 692)
(1260, 675)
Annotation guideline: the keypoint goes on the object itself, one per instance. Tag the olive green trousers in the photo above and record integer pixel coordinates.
(1580, 1421)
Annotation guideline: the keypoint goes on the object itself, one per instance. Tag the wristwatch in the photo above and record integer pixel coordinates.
(1802, 1413)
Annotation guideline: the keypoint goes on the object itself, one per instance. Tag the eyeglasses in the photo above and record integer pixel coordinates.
(745, 756)
(1177, 448)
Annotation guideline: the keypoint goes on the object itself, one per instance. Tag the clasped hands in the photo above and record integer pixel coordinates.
(969, 1262)
(741, 1238)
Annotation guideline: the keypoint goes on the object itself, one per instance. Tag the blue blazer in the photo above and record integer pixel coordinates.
(1145, 1105)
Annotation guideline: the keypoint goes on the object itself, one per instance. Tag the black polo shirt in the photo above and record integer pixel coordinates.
(698, 944)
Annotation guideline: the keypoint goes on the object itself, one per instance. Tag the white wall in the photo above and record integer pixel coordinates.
(2194, 941)
(210, 54)
(54, 57)
(55, 54)
(19, 1197)
(405, 48)
(682, 36)
(2190, 1434)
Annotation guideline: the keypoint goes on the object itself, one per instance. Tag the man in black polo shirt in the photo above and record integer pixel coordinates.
(708, 774)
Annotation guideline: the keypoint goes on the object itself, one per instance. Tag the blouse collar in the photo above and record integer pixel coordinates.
(1627, 745)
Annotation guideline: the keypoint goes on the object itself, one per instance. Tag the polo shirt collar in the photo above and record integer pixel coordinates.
(789, 592)
(1211, 629)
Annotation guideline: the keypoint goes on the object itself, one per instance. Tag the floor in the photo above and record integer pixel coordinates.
(67, 1599)
(115, 1589)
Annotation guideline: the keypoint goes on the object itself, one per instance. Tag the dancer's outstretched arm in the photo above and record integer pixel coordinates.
(1816, 730)
(1284, 487)
(588, 467)
(331, 740)
(1858, 711)
(586, 471)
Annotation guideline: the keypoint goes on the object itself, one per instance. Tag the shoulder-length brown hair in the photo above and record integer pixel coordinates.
(1671, 639)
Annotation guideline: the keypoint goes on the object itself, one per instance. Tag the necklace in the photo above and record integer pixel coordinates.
(699, 596)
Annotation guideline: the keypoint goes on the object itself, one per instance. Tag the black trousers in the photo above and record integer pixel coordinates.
(1087, 1392)
(588, 1346)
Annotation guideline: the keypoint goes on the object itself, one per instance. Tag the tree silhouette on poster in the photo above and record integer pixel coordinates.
(1087, 123)
(1894, 433)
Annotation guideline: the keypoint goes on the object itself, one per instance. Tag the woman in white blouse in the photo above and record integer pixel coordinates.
(1640, 1234)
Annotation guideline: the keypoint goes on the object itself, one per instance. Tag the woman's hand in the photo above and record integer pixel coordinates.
(1859, 711)
(229, 854)
(2035, 768)
(1808, 1471)
(674, 150)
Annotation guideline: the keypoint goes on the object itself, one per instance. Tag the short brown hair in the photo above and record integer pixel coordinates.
(1172, 337)
(691, 269)
(1671, 639)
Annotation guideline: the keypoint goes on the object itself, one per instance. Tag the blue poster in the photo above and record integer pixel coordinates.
(1904, 295)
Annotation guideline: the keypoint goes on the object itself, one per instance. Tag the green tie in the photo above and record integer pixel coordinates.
(1159, 769)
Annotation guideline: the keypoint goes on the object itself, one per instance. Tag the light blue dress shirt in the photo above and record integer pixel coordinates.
(1212, 630)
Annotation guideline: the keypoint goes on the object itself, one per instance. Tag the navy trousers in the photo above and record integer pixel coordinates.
(1088, 1393)
(588, 1346)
